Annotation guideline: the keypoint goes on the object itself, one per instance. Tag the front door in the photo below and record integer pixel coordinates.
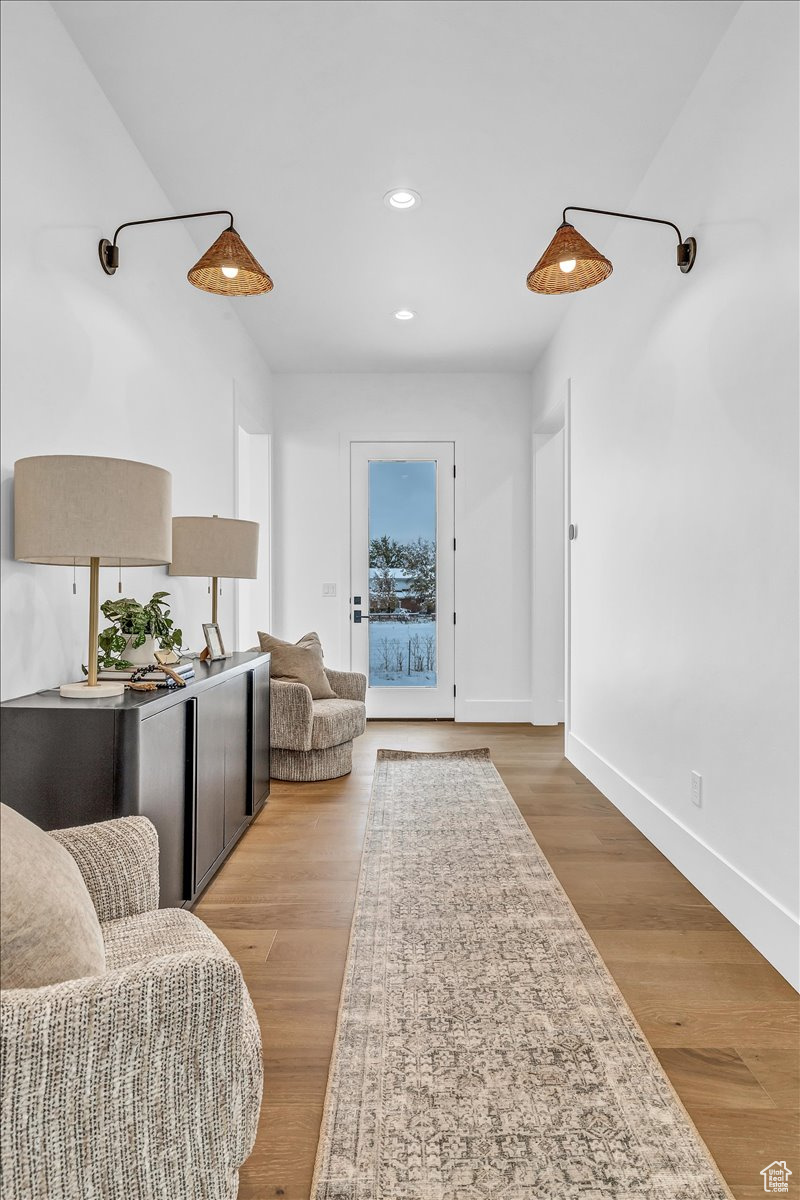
(402, 608)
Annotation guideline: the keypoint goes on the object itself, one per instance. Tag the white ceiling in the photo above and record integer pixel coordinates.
(299, 115)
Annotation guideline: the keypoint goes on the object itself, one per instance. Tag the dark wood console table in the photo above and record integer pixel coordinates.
(194, 760)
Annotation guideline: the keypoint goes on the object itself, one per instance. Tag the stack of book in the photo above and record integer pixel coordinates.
(156, 676)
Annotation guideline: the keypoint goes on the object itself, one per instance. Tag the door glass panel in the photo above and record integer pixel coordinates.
(402, 574)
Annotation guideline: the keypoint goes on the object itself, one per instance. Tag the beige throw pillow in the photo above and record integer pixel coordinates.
(298, 662)
(49, 931)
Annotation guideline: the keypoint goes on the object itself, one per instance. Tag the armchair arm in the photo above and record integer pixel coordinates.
(348, 685)
(291, 715)
(119, 864)
(129, 1083)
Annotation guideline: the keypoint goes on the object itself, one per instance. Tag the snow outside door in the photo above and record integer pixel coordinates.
(402, 607)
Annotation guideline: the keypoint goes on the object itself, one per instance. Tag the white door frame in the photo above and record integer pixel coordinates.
(547, 587)
(558, 417)
(249, 432)
(346, 437)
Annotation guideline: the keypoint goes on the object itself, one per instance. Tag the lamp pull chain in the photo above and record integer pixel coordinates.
(74, 582)
(209, 586)
(119, 582)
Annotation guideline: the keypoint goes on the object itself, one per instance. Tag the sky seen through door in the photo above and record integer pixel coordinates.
(402, 500)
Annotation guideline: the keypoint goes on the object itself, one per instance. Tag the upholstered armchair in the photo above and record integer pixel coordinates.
(144, 1081)
(313, 739)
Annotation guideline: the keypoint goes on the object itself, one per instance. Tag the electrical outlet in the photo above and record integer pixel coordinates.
(329, 589)
(697, 789)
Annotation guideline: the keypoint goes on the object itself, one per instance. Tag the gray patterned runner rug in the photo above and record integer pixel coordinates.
(483, 1051)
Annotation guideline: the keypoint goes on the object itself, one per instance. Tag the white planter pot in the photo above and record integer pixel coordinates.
(141, 656)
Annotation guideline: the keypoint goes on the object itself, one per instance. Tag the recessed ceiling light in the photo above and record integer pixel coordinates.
(402, 198)
(404, 314)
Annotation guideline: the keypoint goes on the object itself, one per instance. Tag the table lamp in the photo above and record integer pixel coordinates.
(76, 510)
(216, 548)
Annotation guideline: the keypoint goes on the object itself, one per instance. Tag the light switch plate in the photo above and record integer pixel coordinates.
(329, 589)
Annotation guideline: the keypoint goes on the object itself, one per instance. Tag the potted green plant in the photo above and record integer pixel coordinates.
(136, 631)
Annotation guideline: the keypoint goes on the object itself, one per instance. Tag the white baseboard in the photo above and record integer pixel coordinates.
(494, 711)
(771, 928)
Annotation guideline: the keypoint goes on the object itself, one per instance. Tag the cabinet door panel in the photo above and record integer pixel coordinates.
(58, 767)
(209, 830)
(237, 773)
(163, 795)
(260, 735)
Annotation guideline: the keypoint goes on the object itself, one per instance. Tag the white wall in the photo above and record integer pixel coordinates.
(547, 672)
(141, 365)
(685, 490)
(488, 416)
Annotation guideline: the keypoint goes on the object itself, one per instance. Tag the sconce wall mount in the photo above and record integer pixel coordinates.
(109, 255)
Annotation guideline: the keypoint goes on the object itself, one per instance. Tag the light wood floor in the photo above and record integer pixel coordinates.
(723, 1023)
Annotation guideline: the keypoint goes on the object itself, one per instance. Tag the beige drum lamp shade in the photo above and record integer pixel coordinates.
(77, 510)
(215, 548)
(71, 508)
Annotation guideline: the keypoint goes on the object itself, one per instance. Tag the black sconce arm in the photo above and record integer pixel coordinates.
(109, 251)
(687, 248)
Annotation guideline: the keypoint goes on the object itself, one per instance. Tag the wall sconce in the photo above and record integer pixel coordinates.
(570, 263)
(227, 268)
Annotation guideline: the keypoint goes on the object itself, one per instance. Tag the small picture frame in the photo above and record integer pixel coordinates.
(214, 645)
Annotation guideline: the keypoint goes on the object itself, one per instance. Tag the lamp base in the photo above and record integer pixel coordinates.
(82, 691)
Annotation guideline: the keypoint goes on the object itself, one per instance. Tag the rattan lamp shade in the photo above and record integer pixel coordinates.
(214, 547)
(230, 252)
(591, 266)
(71, 508)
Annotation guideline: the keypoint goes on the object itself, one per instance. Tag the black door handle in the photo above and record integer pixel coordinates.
(358, 616)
